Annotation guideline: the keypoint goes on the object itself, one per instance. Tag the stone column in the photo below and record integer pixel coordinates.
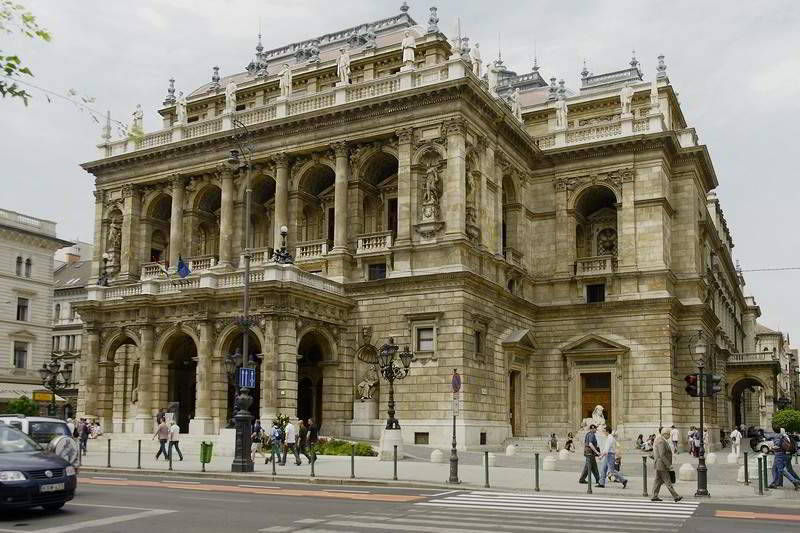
(131, 214)
(176, 222)
(97, 255)
(287, 366)
(565, 232)
(340, 197)
(455, 187)
(202, 423)
(90, 361)
(404, 218)
(144, 405)
(226, 217)
(281, 197)
(626, 222)
(270, 372)
(488, 223)
(498, 230)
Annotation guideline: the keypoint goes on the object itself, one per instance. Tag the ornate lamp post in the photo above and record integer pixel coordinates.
(241, 416)
(391, 372)
(282, 256)
(698, 353)
(56, 377)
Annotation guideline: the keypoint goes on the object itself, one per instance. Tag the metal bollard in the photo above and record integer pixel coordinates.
(273, 462)
(746, 472)
(109, 452)
(80, 456)
(139, 455)
(588, 476)
(766, 474)
(170, 458)
(486, 468)
(536, 459)
(352, 461)
(395, 462)
(760, 477)
(644, 476)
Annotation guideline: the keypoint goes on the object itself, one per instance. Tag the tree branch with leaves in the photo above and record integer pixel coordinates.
(14, 18)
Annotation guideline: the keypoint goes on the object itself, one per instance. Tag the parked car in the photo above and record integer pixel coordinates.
(764, 444)
(31, 476)
(42, 429)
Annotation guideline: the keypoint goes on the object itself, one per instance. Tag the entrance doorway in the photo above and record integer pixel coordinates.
(596, 390)
(312, 354)
(513, 401)
(182, 380)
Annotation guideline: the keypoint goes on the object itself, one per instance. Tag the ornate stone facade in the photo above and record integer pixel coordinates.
(557, 267)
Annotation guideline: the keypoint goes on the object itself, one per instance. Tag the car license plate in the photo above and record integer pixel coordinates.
(53, 487)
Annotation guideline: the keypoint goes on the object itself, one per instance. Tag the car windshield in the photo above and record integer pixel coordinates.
(12, 441)
(44, 432)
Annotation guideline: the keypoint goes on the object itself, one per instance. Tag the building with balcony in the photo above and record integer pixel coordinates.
(27, 245)
(562, 249)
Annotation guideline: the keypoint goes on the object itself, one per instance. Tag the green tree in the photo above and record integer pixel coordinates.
(788, 419)
(14, 18)
(23, 406)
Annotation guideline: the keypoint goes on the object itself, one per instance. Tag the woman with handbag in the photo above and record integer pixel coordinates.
(665, 475)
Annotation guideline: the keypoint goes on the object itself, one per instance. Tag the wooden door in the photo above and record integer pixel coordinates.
(513, 407)
(596, 390)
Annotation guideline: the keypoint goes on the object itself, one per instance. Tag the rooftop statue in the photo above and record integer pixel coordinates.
(137, 126)
(561, 113)
(230, 97)
(516, 107)
(180, 108)
(476, 59)
(625, 98)
(285, 81)
(409, 46)
(343, 67)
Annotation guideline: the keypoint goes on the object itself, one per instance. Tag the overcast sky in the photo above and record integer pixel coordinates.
(736, 66)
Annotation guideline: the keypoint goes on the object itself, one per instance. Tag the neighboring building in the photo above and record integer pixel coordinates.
(27, 245)
(69, 286)
(80, 251)
(562, 249)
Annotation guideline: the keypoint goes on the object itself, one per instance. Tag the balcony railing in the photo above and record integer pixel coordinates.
(374, 242)
(752, 358)
(311, 250)
(513, 256)
(201, 262)
(152, 270)
(596, 266)
(258, 256)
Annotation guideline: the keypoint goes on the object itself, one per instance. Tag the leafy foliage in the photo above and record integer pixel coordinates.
(789, 419)
(14, 18)
(23, 406)
(341, 447)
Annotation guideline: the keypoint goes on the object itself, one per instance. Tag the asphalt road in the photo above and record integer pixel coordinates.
(170, 504)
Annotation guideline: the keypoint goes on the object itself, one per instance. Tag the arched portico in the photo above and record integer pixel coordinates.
(179, 356)
(314, 354)
(118, 381)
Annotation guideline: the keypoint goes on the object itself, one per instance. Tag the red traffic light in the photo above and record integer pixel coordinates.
(691, 379)
(692, 382)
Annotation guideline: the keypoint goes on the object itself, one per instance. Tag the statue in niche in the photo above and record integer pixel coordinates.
(285, 81)
(114, 236)
(431, 193)
(471, 187)
(607, 242)
(366, 388)
(343, 66)
(230, 97)
(409, 46)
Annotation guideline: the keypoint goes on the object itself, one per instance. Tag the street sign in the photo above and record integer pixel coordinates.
(39, 396)
(247, 377)
(456, 382)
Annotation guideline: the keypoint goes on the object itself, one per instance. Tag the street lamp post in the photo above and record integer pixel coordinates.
(456, 384)
(282, 255)
(241, 417)
(702, 471)
(56, 377)
(391, 372)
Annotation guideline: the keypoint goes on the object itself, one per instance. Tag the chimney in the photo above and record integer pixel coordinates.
(72, 258)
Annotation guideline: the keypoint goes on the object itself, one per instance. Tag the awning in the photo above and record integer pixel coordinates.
(12, 391)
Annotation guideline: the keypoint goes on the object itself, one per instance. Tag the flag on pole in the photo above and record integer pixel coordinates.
(183, 268)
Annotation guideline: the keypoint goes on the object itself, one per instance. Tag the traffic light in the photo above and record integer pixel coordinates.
(691, 385)
(713, 384)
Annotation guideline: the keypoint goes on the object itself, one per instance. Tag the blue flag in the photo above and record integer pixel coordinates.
(183, 268)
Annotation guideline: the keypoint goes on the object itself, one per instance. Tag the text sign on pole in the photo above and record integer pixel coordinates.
(247, 377)
(455, 405)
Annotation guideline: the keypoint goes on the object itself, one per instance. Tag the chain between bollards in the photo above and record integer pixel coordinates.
(644, 475)
(395, 462)
(536, 477)
(760, 479)
(139, 455)
(486, 468)
(746, 471)
(109, 452)
(352, 461)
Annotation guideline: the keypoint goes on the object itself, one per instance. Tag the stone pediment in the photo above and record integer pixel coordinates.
(593, 344)
(22, 334)
(520, 339)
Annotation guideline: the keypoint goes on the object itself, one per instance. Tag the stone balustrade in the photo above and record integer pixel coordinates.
(374, 242)
(592, 133)
(596, 266)
(752, 358)
(202, 262)
(258, 256)
(512, 256)
(151, 270)
(374, 88)
(311, 250)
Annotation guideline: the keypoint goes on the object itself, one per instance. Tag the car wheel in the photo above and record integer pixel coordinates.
(53, 506)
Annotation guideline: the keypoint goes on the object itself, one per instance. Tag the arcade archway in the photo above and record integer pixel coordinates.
(312, 352)
(181, 386)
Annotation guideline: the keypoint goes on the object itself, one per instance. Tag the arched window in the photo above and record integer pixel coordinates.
(28, 267)
(19, 266)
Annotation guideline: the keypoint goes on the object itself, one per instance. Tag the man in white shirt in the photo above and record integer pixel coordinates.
(291, 444)
(674, 436)
(609, 467)
(174, 438)
(736, 440)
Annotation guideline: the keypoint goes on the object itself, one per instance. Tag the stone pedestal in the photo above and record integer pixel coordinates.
(711, 458)
(687, 472)
(511, 450)
(389, 439)
(201, 426)
(143, 424)
(549, 463)
(563, 455)
(733, 458)
(365, 417)
(437, 456)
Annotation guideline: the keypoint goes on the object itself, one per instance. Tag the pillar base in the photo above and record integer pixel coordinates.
(389, 439)
(339, 265)
(143, 424)
(201, 426)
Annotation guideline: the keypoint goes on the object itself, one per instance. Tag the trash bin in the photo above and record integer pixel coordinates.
(205, 451)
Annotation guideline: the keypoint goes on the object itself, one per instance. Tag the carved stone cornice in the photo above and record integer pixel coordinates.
(281, 160)
(223, 171)
(405, 135)
(176, 181)
(613, 179)
(99, 196)
(129, 190)
(340, 149)
(455, 126)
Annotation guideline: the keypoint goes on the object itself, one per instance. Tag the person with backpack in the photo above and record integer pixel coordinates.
(782, 445)
(275, 440)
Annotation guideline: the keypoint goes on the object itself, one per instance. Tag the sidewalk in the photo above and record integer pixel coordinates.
(336, 469)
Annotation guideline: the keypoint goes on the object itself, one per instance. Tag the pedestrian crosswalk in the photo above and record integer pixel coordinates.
(479, 511)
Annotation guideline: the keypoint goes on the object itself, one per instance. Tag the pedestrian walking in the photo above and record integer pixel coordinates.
(83, 435)
(553, 443)
(691, 440)
(302, 439)
(291, 444)
(609, 468)
(163, 436)
(275, 440)
(590, 452)
(662, 456)
(174, 439)
(736, 441)
(160, 416)
(674, 436)
(782, 445)
(257, 444)
(71, 427)
(313, 439)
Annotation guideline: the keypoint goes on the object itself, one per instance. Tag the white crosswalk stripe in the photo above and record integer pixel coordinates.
(479, 511)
